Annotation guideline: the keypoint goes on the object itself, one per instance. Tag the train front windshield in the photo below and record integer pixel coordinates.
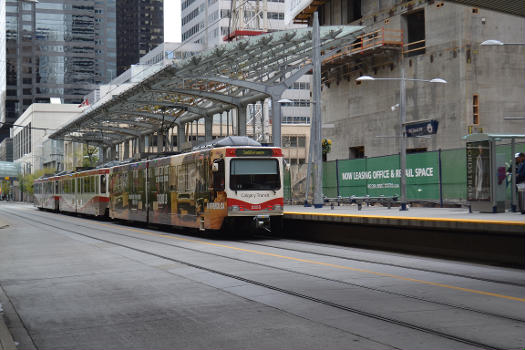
(254, 174)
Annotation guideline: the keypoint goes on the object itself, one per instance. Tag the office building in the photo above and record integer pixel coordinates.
(59, 50)
(140, 28)
(6, 150)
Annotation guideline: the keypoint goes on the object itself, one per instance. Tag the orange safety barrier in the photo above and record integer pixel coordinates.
(376, 39)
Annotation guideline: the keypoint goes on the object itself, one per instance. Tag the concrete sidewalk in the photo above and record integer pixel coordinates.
(6, 340)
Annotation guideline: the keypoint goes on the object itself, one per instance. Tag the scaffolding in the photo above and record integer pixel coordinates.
(383, 42)
(248, 18)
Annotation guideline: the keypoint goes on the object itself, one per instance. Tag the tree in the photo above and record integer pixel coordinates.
(26, 181)
(90, 159)
(326, 148)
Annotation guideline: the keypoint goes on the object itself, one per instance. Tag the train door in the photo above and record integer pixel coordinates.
(158, 204)
(103, 182)
(56, 196)
(218, 177)
(78, 194)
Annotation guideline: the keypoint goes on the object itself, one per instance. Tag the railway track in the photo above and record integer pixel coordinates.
(375, 262)
(43, 219)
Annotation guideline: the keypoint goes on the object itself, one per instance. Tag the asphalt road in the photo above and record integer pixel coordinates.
(75, 283)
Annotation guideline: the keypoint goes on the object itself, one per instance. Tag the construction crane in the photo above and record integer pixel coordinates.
(247, 18)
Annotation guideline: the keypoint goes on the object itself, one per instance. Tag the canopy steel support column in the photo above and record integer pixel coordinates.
(181, 137)
(113, 152)
(126, 149)
(241, 120)
(208, 129)
(142, 144)
(101, 154)
(160, 142)
(276, 121)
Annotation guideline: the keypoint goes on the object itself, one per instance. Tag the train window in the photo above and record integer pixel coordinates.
(181, 170)
(172, 178)
(218, 176)
(103, 183)
(191, 181)
(201, 177)
(166, 178)
(254, 174)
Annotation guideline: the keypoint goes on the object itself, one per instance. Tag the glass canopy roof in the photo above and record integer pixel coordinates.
(217, 80)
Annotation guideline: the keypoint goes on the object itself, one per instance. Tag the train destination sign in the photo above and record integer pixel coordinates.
(258, 152)
(422, 128)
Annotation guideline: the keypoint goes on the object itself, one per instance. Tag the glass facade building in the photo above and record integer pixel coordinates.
(55, 48)
(140, 29)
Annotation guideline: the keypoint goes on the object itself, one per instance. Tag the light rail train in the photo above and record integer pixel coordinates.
(219, 188)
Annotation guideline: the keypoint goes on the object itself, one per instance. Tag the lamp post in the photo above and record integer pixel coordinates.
(402, 121)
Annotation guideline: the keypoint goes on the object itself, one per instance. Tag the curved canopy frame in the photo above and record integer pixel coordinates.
(220, 79)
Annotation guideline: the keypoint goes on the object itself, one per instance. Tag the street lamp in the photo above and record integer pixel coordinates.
(492, 42)
(402, 122)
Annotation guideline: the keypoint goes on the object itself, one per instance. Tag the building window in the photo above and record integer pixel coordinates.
(475, 109)
(353, 10)
(357, 152)
(296, 120)
(415, 24)
(293, 141)
(416, 150)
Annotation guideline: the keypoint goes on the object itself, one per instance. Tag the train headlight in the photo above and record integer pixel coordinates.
(278, 207)
(234, 208)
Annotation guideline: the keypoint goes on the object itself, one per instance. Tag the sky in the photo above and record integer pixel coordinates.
(172, 21)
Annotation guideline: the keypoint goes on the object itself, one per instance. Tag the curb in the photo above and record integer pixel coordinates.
(6, 340)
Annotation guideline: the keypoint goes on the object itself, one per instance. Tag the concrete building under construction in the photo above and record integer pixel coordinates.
(430, 39)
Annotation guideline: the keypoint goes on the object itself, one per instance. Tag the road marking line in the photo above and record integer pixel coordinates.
(320, 263)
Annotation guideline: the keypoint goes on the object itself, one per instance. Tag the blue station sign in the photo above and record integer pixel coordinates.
(428, 127)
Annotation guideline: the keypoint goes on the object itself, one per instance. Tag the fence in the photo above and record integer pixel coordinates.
(436, 176)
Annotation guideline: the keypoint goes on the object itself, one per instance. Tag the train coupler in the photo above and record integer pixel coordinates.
(262, 222)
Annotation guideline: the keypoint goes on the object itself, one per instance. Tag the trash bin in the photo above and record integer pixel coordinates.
(521, 196)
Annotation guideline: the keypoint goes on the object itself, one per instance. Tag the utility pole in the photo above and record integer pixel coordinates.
(315, 154)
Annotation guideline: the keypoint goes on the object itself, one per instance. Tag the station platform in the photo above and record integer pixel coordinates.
(454, 233)
(414, 217)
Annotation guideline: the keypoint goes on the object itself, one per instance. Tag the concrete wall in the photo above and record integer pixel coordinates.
(453, 52)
